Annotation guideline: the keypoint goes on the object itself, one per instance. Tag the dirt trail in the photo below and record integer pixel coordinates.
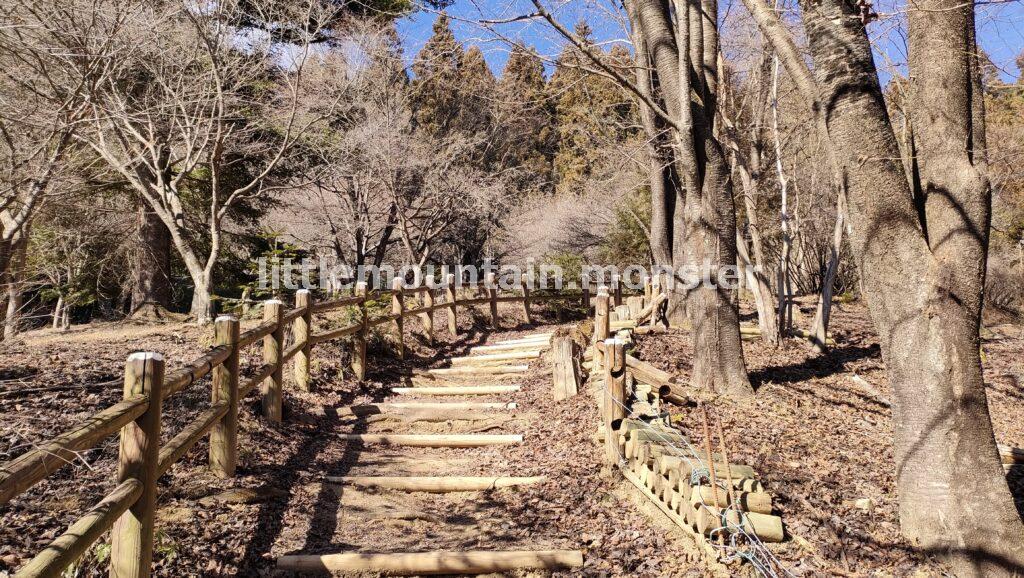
(365, 519)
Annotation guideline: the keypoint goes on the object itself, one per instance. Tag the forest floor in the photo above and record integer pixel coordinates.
(819, 438)
(820, 434)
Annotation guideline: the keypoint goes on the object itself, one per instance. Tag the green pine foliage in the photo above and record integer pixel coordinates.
(436, 70)
(591, 112)
(524, 121)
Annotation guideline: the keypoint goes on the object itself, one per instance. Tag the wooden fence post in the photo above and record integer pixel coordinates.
(586, 295)
(453, 304)
(301, 329)
(491, 286)
(131, 553)
(615, 394)
(524, 282)
(224, 435)
(273, 348)
(616, 290)
(427, 300)
(359, 351)
(602, 323)
(565, 373)
(655, 290)
(398, 310)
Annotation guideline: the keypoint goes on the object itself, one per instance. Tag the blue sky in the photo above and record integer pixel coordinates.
(1000, 29)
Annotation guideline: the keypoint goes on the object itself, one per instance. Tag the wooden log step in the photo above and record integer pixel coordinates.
(427, 563)
(665, 463)
(528, 339)
(436, 440)
(436, 484)
(539, 345)
(484, 370)
(451, 406)
(496, 357)
(456, 390)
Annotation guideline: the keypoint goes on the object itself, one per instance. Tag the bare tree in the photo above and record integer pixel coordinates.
(374, 180)
(198, 118)
(52, 56)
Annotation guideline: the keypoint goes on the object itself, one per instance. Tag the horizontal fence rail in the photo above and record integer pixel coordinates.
(129, 509)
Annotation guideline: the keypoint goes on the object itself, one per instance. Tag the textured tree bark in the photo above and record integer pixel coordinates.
(15, 277)
(704, 228)
(151, 295)
(963, 507)
(923, 284)
(659, 181)
(711, 230)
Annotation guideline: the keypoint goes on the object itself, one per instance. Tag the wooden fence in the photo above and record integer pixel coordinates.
(700, 491)
(129, 509)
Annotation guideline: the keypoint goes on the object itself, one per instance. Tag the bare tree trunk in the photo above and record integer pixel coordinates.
(753, 257)
(823, 313)
(967, 511)
(58, 312)
(15, 279)
(704, 223)
(924, 281)
(151, 294)
(202, 298)
(662, 189)
(784, 285)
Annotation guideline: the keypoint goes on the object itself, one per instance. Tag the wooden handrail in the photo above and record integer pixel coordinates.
(253, 335)
(322, 306)
(198, 369)
(28, 469)
(246, 387)
(179, 445)
(70, 545)
(335, 333)
(291, 315)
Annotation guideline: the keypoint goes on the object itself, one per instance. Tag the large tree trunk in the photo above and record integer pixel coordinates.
(202, 299)
(151, 294)
(924, 290)
(710, 217)
(704, 224)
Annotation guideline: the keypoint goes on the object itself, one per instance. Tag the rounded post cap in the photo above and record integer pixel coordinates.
(225, 318)
(302, 291)
(397, 283)
(273, 302)
(602, 290)
(145, 356)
